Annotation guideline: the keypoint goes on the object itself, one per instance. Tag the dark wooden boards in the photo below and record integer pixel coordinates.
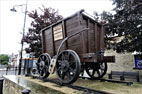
(85, 43)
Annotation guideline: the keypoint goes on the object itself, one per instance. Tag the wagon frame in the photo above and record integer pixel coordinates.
(69, 59)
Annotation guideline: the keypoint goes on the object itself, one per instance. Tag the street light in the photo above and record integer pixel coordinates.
(25, 13)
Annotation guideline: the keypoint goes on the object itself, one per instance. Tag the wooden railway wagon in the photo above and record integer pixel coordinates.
(75, 44)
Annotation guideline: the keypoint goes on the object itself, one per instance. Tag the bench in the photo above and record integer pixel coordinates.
(132, 75)
(123, 75)
(116, 74)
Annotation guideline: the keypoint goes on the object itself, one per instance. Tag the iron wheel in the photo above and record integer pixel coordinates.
(43, 65)
(68, 66)
(96, 70)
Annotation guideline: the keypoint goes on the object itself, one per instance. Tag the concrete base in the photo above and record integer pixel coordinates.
(15, 84)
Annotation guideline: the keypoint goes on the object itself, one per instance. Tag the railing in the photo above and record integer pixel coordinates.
(9, 71)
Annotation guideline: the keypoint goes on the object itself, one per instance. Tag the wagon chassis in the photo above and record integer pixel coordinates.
(46, 65)
(67, 63)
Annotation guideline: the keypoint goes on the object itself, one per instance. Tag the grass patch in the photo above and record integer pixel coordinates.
(116, 88)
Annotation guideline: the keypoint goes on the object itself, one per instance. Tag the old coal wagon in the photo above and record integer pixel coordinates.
(71, 46)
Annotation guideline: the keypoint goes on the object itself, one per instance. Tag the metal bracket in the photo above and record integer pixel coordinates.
(52, 65)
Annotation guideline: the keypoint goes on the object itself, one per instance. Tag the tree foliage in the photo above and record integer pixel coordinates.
(4, 59)
(47, 17)
(124, 28)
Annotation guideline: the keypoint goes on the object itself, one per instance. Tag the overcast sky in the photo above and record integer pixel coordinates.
(11, 23)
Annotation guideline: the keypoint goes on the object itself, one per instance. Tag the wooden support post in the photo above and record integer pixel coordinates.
(102, 38)
(96, 41)
(88, 38)
(54, 53)
(64, 34)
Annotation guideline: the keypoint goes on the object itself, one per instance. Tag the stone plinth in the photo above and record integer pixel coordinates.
(15, 84)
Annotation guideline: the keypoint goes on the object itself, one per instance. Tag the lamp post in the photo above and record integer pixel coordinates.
(25, 13)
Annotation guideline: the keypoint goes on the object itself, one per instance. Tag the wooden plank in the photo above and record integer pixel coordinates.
(87, 57)
(76, 48)
(95, 40)
(91, 37)
(71, 20)
(49, 41)
(53, 45)
(72, 25)
(82, 38)
(43, 42)
(74, 40)
(48, 33)
(99, 37)
(102, 38)
(88, 37)
(57, 44)
(73, 30)
(65, 34)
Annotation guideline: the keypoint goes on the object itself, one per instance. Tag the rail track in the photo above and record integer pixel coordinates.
(76, 87)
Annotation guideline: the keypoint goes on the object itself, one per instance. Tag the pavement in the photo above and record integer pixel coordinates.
(9, 72)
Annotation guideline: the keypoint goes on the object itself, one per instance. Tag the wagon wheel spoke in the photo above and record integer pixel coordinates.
(63, 56)
(71, 63)
(59, 69)
(43, 58)
(41, 73)
(59, 61)
(46, 62)
(102, 70)
(72, 70)
(68, 75)
(63, 75)
(98, 72)
(93, 72)
(40, 59)
(68, 56)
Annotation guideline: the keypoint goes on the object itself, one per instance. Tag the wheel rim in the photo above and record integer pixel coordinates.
(68, 66)
(96, 71)
(44, 72)
(43, 65)
(34, 71)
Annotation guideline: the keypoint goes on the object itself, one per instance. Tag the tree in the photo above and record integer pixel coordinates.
(125, 25)
(40, 21)
(4, 59)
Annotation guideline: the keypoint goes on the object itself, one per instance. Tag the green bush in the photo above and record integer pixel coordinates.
(4, 59)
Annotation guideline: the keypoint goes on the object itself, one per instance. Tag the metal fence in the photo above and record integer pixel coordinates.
(9, 71)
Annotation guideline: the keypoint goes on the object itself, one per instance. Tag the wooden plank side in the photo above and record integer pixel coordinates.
(71, 20)
(72, 25)
(65, 33)
(96, 40)
(73, 30)
(58, 41)
(91, 37)
(84, 24)
(82, 34)
(102, 38)
(76, 48)
(48, 41)
(53, 42)
(43, 42)
(74, 40)
(99, 38)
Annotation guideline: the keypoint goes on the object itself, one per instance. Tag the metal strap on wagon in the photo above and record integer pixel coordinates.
(86, 29)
